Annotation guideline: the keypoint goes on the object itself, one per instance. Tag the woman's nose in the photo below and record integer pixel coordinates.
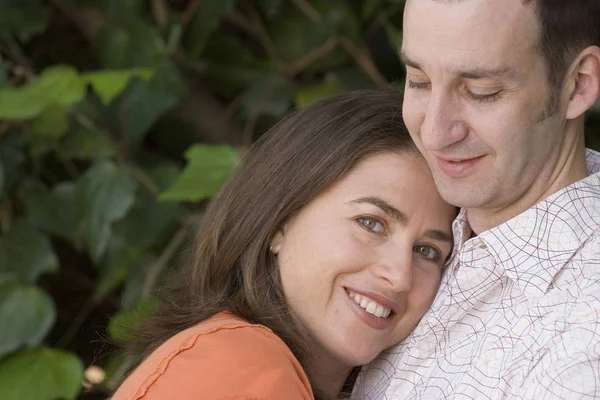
(395, 268)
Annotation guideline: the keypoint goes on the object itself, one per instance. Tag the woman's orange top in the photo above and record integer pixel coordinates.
(222, 358)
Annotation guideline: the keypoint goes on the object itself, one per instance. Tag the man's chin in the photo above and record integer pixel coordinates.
(461, 194)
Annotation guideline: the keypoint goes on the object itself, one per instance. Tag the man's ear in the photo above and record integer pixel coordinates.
(583, 82)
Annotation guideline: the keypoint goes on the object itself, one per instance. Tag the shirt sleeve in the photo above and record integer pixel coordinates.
(570, 369)
(242, 363)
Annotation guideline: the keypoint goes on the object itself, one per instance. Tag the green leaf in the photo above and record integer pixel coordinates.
(60, 85)
(4, 77)
(119, 9)
(136, 277)
(13, 158)
(104, 194)
(26, 252)
(23, 18)
(369, 7)
(147, 101)
(204, 22)
(208, 168)
(116, 263)
(232, 66)
(596, 106)
(51, 211)
(109, 84)
(295, 36)
(82, 143)
(148, 221)
(354, 78)
(1, 177)
(27, 314)
(40, 374)
(52, 123)
(330, 86)
(122, 325)
(46, 130)
(269, 8)
(131, 43)
(394, 34)
(271, 95)
(164, 174)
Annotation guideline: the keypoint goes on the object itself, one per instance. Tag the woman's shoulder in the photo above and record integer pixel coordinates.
(220, 358)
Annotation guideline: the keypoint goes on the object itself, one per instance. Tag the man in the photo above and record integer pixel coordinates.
(496, 95)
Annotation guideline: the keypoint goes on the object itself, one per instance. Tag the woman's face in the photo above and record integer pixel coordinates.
(361, 263)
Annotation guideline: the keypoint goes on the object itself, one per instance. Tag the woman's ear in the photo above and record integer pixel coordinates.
(277, 242)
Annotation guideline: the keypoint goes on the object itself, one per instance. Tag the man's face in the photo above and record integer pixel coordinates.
(476, 100)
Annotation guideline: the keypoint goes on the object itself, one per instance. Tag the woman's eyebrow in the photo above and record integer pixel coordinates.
(440, 235)
(384, 206)
(399, 216)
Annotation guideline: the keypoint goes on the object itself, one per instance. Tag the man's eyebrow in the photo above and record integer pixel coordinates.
(408, 62)
(502, 71)
(384, 206)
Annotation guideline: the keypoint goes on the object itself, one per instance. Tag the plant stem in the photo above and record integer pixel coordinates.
(163, 261)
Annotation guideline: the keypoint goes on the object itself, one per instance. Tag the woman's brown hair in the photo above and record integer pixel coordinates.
(232, 268)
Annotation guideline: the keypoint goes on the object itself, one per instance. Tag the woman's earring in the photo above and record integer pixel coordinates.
(271, 249)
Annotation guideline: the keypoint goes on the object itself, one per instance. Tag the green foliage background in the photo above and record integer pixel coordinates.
(118, 119)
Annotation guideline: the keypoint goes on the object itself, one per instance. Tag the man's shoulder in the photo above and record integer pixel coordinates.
(592, 159)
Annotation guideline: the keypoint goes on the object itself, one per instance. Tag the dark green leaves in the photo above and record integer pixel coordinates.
(52, 211)
(104, 194)
(147, 101)
(205, 21)
(295, 35)
(129, 43)
(27, 313)
(39, 374)
(26, 253)
(22, 18)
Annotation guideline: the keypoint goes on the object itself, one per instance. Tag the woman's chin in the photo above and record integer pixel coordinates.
(353, 358)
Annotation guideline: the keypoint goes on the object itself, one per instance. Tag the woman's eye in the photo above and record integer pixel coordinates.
(427, 252)
(371, 224)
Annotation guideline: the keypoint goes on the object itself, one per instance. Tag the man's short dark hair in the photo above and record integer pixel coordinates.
(567, 27)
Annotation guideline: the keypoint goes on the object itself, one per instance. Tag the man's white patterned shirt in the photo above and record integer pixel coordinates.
(517, 314)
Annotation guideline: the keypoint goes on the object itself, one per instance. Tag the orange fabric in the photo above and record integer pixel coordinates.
(222, 358)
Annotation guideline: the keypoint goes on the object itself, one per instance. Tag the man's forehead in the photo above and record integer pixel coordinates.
(486, 30)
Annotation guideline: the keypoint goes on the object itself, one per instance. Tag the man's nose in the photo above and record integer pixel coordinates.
(394, 268)
(443, 124)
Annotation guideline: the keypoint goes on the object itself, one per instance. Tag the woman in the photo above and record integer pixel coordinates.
(322, 250)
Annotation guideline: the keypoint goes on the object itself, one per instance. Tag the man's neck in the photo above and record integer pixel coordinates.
(569, 168)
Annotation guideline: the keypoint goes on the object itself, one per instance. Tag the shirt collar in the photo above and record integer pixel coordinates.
(553, 229)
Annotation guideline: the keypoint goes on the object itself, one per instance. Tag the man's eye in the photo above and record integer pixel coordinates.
(427, 252)
(371, 224)
(484, 98)
(416, 85)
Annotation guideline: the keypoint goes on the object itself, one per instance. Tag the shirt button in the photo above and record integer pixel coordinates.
(482, 246)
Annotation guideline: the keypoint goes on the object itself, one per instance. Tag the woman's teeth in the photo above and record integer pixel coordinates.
(370, 306)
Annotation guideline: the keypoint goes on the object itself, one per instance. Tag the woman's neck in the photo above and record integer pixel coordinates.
(329, 375)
